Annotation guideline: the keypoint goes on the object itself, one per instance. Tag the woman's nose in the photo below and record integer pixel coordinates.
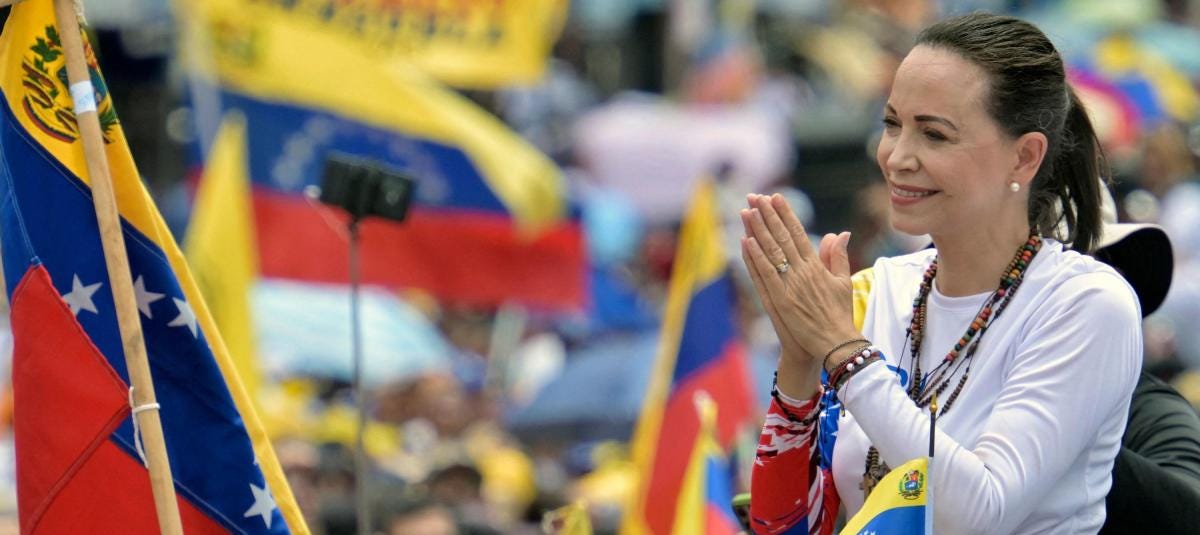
(902, 156)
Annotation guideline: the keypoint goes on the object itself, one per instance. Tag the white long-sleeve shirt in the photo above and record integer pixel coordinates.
(1029, 444)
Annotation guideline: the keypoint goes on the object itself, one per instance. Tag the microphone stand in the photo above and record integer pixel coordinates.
(361, 507)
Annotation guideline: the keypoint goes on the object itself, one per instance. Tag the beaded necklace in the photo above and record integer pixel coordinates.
(923, 388)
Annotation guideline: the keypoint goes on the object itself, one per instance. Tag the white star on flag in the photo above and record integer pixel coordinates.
(264, 504)
(185, 317)
(80, 296)
(144, 298)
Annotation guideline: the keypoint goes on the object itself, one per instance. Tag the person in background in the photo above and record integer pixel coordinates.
(414, 516)
(1156, 476)
(1168, 172)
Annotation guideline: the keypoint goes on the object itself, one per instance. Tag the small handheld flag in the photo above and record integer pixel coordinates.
(898, 505)
(902, 502)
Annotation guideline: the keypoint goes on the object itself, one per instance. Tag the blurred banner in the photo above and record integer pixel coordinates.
(633, 137)
(699, 351)
(471, 44)
(491, 221)
(79, 463)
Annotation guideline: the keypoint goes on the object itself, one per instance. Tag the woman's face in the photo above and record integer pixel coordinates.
(946, 161)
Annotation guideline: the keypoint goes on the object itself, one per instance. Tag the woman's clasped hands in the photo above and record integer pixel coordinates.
(807, 294)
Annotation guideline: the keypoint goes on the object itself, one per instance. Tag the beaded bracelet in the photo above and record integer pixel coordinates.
(852, 369)
(850, 354)
(854, 360)
(825, 360)
(783, 406)
(852, 365)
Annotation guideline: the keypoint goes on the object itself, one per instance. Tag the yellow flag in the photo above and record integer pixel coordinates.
(220, 247)
(470, 44)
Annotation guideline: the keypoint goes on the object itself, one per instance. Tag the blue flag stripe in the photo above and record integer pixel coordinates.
(445, 174)
(707, 329)
(896, 521)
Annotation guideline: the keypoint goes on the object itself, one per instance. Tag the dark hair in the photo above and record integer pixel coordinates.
(1028, 92)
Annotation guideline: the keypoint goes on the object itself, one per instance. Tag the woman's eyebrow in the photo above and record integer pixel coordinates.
(936, 119)
(925, 118)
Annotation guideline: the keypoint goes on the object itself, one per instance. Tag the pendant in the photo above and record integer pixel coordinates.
(871, 478)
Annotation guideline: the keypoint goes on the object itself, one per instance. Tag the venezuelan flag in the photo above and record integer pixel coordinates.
(491, 221)
(78, 469)
(705, 504)
(898, 505)
(699, 351)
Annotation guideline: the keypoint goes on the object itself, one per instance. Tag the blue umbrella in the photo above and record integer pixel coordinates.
(600, 392)
(304, 329)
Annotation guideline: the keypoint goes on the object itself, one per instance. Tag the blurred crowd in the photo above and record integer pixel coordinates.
(530, 410)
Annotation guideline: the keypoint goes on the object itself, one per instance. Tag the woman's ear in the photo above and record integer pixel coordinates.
(1031, 150)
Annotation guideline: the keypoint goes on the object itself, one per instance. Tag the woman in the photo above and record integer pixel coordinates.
(1031, 347)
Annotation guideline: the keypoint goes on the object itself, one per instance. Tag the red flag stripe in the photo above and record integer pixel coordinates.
(463, 256)
(67, 402)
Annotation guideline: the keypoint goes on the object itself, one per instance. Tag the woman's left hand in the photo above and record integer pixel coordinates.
(811, 292)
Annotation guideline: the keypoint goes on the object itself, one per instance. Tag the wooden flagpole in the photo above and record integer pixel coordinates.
(118, 273)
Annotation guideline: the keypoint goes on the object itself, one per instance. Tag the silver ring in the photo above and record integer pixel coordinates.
(783, 267)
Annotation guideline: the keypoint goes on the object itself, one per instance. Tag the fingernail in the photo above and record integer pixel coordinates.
(777, 197)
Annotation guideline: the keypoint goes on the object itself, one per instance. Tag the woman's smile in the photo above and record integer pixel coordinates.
(909, 195)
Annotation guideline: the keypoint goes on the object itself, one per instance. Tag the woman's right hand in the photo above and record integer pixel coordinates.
(792, 354)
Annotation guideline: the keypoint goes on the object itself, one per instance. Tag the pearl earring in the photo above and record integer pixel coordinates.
(1014, 186)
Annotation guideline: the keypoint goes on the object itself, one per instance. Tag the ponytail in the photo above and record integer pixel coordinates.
(1071, 192)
